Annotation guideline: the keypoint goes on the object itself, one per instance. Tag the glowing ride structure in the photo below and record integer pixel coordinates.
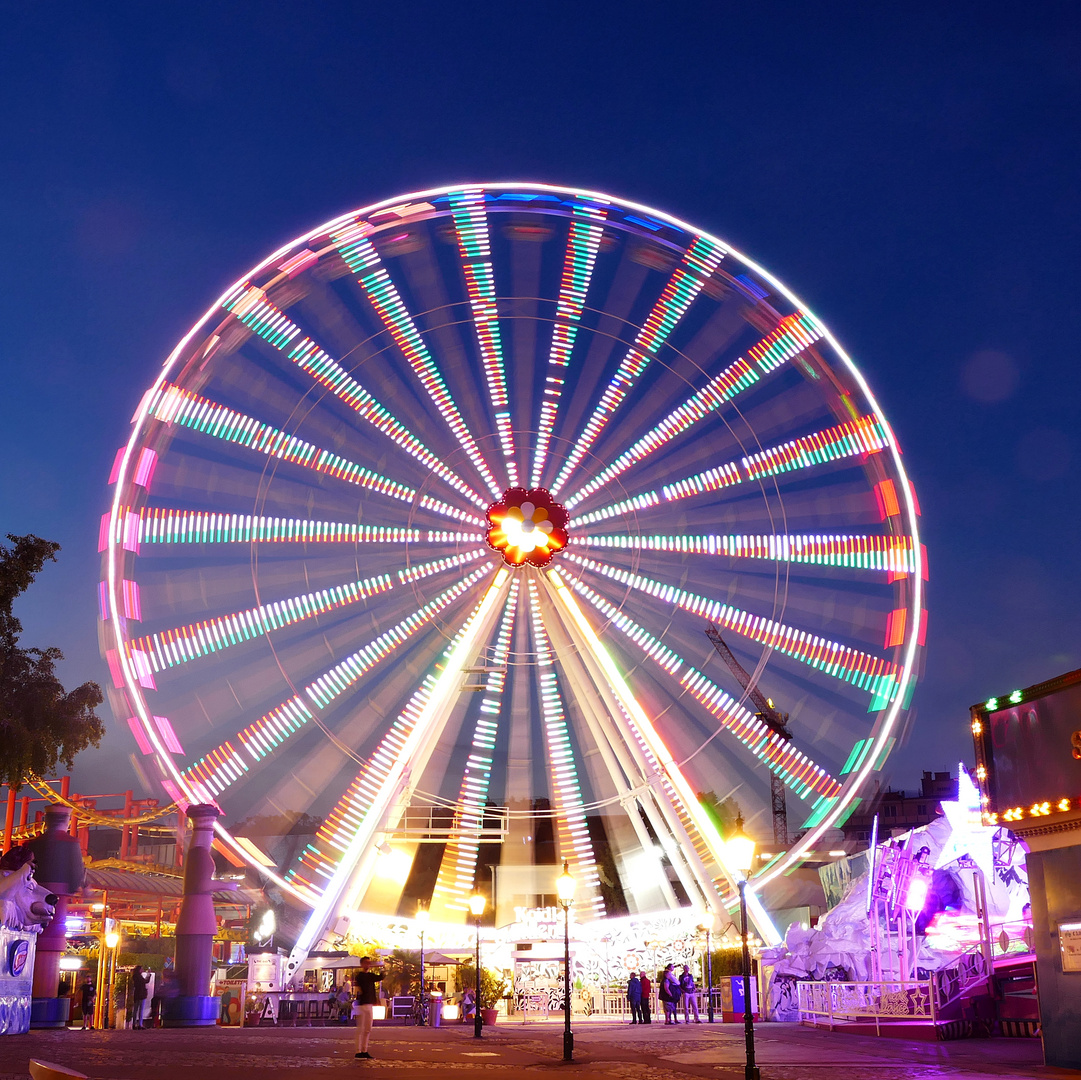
(527, 442)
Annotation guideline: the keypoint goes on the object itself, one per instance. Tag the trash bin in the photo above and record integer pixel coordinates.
(435, 1011)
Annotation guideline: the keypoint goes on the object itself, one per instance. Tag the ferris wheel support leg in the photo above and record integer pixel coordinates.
(694, 876)
(588, 640)
(358, 860)
(620, 765)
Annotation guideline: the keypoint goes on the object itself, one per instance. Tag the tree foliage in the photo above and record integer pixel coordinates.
(41, 724)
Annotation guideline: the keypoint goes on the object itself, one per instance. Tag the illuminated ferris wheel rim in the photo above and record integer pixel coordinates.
(885, 725)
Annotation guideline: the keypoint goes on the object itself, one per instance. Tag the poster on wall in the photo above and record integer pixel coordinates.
(232, 993)
(1069, 943)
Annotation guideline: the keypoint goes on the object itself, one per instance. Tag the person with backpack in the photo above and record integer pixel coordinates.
(689, 993)
(647, 991)
(634, 998)
(669, 994)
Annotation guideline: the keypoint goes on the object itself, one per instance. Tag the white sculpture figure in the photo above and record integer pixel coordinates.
(24, 904)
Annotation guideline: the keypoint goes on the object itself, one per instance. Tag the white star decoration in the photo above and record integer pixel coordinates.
(967, 835)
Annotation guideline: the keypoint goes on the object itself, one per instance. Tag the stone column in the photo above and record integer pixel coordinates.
(195, 927)
(58, 867)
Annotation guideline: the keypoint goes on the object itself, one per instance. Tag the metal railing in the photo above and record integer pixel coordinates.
(829, 1003)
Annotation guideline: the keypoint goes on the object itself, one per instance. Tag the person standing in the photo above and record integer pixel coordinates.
(139, 983)
(88, 999)
(365, 983)
(647, 991)
(689, 993)
(669, 994)
(634, 997)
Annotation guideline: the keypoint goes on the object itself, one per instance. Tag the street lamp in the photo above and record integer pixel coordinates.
(112, 940)
(423, 915)
(476, 905)
(740, 851)
(707, 925)
(565, 892)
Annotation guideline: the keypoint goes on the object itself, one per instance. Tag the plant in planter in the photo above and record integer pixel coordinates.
(493, 986)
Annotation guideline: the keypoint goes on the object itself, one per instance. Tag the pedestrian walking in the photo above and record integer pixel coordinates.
(634, 998)
(88, 1000)
(669, 994)
(365, 982)
(689, 993)
(140, 980)
(647, 991)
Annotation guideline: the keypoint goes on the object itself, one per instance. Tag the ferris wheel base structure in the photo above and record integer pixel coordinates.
(423, 521)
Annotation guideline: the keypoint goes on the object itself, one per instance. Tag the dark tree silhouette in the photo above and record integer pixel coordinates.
(41, 724)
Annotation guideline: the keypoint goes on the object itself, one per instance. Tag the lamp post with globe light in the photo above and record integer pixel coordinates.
(565, 891)
(476, 905)
(740, 851)
(707, 925)
(423, 914)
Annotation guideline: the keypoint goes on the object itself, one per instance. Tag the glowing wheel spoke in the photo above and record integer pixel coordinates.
(250, 305)
(471, 225)
(866, 435)
(680, 792)
(361, 257)
(795, 768)
(889, 554)
(382, 783)
(871, 673)
(172, 405)
(698, 264)
(159, 525)
(172, 647)
(794, 334)
(223, 766)
(584, 242)
(575, 844)
(458, 867)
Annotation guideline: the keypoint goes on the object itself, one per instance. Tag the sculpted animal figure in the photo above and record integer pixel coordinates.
(24, 904)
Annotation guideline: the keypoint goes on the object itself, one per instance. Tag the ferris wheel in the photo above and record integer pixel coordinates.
(419, 529)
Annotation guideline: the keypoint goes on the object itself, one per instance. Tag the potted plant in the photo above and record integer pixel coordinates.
(492, 988)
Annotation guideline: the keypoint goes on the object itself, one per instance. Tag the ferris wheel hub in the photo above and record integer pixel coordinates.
(527, 525)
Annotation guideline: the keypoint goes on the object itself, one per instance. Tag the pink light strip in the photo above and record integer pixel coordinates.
(697, 265)
(583, 243)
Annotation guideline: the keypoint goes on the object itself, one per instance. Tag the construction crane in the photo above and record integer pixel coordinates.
(776, 721)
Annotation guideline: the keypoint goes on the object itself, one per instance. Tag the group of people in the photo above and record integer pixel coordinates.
(88, 997)
(672, 989)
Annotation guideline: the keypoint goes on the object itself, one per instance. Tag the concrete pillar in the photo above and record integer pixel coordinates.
(195, 927)
(1054, 878)
(58, 866)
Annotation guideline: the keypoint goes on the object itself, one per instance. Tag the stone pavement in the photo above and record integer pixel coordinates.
(517, 1051)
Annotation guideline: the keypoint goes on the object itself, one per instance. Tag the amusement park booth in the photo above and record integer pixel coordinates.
(1028, 752)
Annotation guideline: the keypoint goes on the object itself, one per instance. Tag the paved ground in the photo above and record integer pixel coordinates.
(516, 1051)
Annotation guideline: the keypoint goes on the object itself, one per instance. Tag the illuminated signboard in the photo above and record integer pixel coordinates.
(1028, 751)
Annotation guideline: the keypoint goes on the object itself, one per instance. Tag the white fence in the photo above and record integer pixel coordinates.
(828, 1003)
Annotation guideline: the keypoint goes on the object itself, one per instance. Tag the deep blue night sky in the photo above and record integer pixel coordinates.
(911, 170)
